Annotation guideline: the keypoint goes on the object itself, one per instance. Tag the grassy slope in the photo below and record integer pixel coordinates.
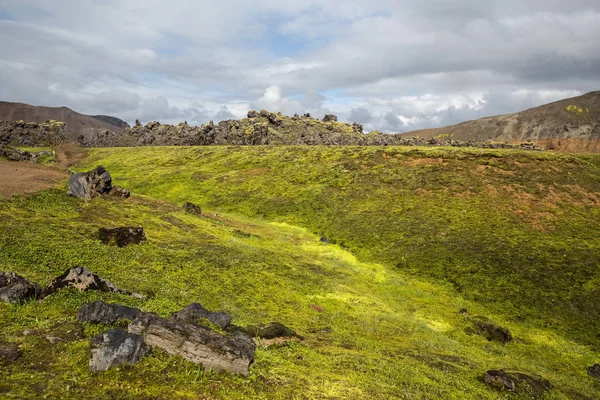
(392, 334)
(517, 230)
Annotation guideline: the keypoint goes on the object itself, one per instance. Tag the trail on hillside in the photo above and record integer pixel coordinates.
(20, 178)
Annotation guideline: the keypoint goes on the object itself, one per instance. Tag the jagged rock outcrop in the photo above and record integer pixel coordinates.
(116, 347)
(517, 382)
(50, 133)
(83, 279)
(100, 312)
(268, 128)
(16, 289)
(123, 236)
(330, 118)
(198, 344)
(90, 184)
(195, 312)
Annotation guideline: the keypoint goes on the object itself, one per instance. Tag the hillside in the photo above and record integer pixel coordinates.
(574, 118)
(76, 124)
(413, 236)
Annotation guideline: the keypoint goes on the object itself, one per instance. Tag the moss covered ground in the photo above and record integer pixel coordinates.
(416, 235)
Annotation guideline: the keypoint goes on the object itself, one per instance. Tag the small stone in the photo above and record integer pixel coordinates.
(83, 279)
(9, 352)
(594, 371)
(516, 382)
(192, 208)
(123, 236)
(118, 191)
(324, 240)
(269, 331)
(116, 347)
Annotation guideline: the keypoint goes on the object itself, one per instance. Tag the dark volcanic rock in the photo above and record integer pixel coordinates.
(9, 352)
(83, 279)
(269, 331)
(192, 208)
(116, 347)
(490, 331)
(195, 312)
(90, 184)
(12, 154)
(252, 114)
(198, 344)
(516, 382)
(330, 118)
(100, 312)
(15, 288)
(324, 240)
(594, 371)
(123, 236)
(118, 191)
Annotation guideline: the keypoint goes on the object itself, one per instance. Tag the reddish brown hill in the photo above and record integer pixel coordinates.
(76, 124)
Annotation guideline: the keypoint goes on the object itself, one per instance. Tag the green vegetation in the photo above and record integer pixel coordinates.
(573, 109)
(417, 234)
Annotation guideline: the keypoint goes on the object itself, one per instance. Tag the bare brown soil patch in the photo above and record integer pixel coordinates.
(68, 156)
(21, 178)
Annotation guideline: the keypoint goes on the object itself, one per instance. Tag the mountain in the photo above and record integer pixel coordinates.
(573, 118)
(76, 124)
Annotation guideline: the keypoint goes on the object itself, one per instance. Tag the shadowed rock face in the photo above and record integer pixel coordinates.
(516, 382)
(197, 344)
(16, 289)
(123, 236)
(100, 312)
(83, 279)
(195, 311)
(116, 347)
(594, 371)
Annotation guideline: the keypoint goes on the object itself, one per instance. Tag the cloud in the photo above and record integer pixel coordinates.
(389, 64)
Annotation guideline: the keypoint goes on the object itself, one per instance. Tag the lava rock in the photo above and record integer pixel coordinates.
(118, 191)
(9, 352)
(83, 279)
(330, 118)
(123, 236)
(116, 347)
(195, 312)
(16, 289)
(192, 208)
(516, 382)
(594, 371)
(198, 344)
(88, 185)
(492, 332)
(252, 114)
(269, 331)
(100, 312)
(324, 240)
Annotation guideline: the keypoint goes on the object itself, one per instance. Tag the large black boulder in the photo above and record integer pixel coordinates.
(16, 289)
(88, 185)
(116, 347)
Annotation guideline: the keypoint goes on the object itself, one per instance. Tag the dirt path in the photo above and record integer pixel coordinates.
(23, 177)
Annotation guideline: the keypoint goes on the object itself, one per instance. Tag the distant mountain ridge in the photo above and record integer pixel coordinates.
(573, 118)
(76, 124)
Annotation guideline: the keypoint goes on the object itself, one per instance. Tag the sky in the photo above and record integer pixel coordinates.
(392, 65)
